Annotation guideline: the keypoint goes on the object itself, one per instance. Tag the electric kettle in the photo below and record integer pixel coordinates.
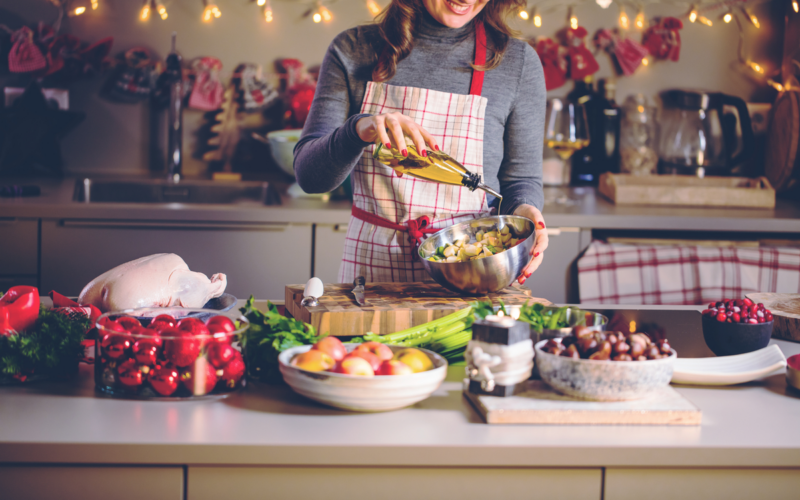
(703, 133)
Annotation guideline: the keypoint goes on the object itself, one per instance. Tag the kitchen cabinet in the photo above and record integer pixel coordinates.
(19, 252)
(258, 258)
(730, 484)
(91, 483)
(328, 247)
(434, 483)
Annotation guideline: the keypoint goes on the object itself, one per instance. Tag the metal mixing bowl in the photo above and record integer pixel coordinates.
(486, 275)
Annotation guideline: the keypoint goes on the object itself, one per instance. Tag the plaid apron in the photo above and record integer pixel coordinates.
(386, 206)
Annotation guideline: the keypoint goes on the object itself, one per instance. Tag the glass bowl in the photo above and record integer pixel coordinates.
(171, 353)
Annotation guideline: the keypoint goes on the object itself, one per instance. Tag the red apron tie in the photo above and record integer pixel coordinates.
(416, 228)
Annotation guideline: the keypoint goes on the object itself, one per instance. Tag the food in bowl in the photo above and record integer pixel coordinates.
(364, 360)
(602, 375)
(168, 353)
(584, 343)
(486, 244)
(738, 311)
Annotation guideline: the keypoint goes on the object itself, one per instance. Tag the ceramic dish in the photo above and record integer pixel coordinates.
(597, 380)
(348, 392)
(729, 370)
(793, 371)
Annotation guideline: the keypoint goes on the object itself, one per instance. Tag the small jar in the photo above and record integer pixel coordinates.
(169, 353)
(637, 142)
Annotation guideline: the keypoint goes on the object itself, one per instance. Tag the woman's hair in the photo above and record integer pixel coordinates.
(397, 25)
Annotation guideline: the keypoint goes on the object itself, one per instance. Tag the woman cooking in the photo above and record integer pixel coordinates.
(443, 74)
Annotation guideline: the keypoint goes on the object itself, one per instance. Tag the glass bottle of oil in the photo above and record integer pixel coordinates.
(436, 167)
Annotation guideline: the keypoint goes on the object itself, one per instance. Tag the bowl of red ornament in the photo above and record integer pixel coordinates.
(169, 353)
(736, 326)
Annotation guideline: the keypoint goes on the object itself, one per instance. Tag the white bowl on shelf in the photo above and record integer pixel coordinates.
(366, 394)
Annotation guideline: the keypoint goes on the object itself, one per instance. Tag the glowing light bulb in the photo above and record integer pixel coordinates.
(645, 61)
(162, 11)
(95, 4)
(705, 20)
(79, 10)
(755, 67)
(537, 20)
(523, 14)
(211, 12)
(777, 86)
(317, 17)
(261, 3)
(624, 22)
(728, 17)
(640, 20)
(326, 14)
(144, 15)
(373, 7)
(632, 327)
(752, 17)
(573, 22)
(604, 3)
(796, 5)
(693, 14)
(268, 17)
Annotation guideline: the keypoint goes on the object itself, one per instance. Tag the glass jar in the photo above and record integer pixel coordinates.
(637, 142)
(169, 353)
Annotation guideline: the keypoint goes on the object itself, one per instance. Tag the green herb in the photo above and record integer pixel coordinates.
(541, 317)
(483, 309)
(271, 333)
(52, 346)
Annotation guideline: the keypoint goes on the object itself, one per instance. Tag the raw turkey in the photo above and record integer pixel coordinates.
(160, 280)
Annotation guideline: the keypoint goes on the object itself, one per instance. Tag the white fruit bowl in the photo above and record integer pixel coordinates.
(349, 392)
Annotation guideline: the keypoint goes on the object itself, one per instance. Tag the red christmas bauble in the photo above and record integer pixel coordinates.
(114, 345)
(130, 373)
(200, 378)
(164, 379)
(128, 323)
(180, 346)
(165, 319)
(220, 354)
(197, 328)
(146, 350)
(221, 328)
(234, 370)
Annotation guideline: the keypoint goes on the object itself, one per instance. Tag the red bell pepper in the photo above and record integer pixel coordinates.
(19, 309)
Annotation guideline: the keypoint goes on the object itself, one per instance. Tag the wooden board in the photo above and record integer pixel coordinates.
(687, 190)
(540, 404)
(781, 162)
(391, 307)
(785, 308)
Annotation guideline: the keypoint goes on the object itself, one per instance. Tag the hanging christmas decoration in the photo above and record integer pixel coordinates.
(554, 62)
(627, 54)
(662, 40)
(210, 11)
(581, 61)
(208, 89)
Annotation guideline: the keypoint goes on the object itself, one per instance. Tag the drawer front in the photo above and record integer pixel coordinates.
(682, 484)
(332, 483)
(90, 483)
(328, 249)
(19, 253)
(258, 259)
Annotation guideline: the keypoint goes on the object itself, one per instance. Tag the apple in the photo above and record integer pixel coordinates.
(354, 365)
(313, 361)
(382, 351)
(332, 346)
(394, 367)
(417, 360)
(372, 359)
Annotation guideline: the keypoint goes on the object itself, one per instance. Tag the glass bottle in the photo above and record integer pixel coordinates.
(582, 160)
(607, 129)
(638, 137)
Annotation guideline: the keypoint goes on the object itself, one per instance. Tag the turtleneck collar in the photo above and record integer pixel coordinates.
(431, 28)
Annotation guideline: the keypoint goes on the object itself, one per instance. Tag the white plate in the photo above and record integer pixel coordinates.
(729, 370)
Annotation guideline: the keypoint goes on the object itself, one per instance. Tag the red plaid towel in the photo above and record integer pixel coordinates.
(650, 274)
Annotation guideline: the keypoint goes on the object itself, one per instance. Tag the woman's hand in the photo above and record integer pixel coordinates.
(539, 244)
(393, 128)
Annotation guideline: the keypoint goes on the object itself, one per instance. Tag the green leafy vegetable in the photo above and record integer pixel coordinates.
(53, 346)
(271, 333)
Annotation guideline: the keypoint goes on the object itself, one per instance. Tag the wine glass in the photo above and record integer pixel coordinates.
(566, 129)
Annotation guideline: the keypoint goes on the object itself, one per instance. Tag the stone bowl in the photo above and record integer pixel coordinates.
(603, 380)
(727, 339)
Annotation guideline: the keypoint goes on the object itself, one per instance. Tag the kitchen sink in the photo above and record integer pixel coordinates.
(165, 191)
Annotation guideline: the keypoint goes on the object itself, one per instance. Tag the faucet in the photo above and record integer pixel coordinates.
(174, 79)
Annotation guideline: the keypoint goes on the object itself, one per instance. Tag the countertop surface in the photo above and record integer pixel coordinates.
(581, 207)
(749, 425)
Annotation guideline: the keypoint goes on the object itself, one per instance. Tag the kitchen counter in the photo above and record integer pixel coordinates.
(579, 207)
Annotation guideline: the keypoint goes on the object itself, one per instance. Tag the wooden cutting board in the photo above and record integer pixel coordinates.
(785, 308)
(391, 307)
(540, 404)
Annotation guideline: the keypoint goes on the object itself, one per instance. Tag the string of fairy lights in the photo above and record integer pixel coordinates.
(704, 12)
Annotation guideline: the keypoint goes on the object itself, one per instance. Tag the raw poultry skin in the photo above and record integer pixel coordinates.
(159, 280)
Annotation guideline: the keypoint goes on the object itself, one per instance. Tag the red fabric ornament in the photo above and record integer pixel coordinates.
(207, 91)
(662, 40)
(200, 378)
(180, 347)
(131, 373)
(164, 379)
(300, 88)
(627, 54)
(554, 63)
(233, 371)
(581, 61)
(25, 56)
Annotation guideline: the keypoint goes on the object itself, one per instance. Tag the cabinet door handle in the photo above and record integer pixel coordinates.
(175, 225)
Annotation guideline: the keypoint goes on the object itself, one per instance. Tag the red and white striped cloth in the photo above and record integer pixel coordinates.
(651, 274)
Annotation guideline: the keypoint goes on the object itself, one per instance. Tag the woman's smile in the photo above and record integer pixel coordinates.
(454, 13)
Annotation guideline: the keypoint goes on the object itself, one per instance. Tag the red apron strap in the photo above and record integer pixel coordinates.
(476, 87)
(415, 228)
